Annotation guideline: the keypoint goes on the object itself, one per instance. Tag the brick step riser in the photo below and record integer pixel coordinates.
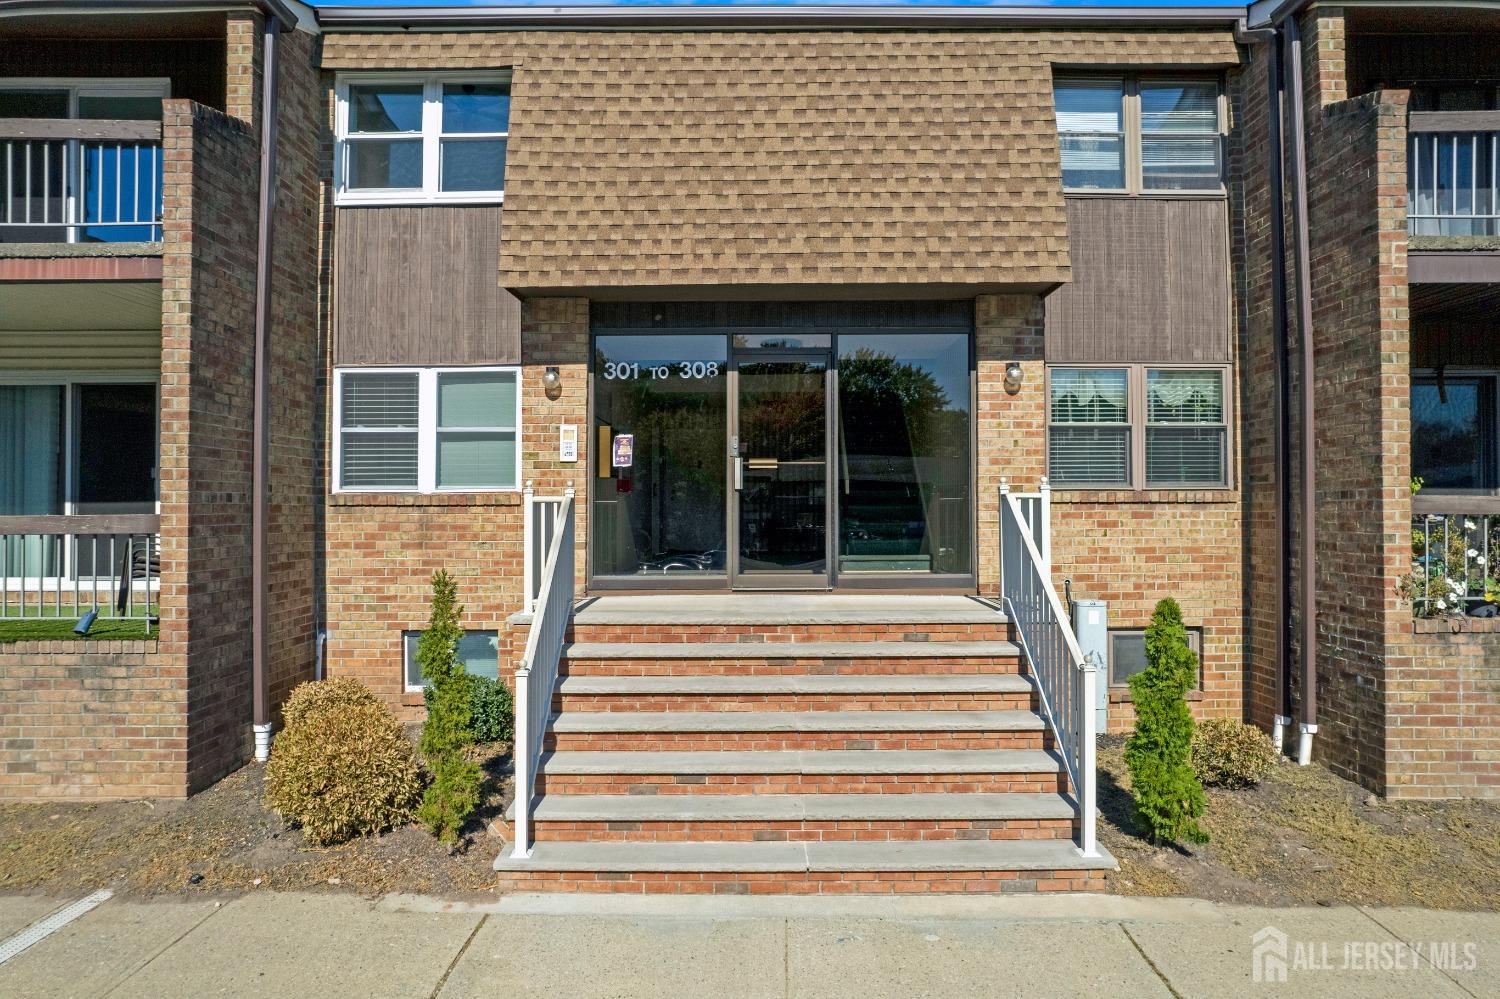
(806, 883)
(748, 741)
(694, 784)
(677, 634)
(803, 831)
(633, 703)
(760, 666)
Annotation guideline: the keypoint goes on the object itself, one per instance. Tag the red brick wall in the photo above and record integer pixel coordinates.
(1128, 548)
(382, 549)
(1443, 711)
(91, 720)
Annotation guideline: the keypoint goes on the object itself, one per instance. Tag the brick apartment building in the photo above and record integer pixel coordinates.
(817, 353)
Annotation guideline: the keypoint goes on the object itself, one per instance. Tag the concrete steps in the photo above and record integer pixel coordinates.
(807, 868)
(796, 692)
(777, 743)
(826, 772)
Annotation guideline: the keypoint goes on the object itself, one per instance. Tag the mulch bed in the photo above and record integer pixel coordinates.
(1306, 836)
(226, 840)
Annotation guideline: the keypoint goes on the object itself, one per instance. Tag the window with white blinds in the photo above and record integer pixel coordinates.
(1138, 427)
(1089, 440)
(427, 429)
(1186, 433)
(1180, 136)
(1091, 133)
(1133, 135)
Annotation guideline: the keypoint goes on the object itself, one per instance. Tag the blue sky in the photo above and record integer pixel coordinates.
(779, 3)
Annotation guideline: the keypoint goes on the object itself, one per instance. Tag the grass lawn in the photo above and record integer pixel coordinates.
(55, 626)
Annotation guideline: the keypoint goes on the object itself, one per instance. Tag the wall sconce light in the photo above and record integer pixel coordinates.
(552, 382)
(1012, 378)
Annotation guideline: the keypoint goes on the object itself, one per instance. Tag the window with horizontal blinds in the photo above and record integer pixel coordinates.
(1089, 438)
(1186, 433)
(1180, 141)
(476, 430)
(428, 429)
(1091, 133)
(379, 441)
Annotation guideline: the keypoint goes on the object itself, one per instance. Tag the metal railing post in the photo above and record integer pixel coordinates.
(528, 531)
(521, 753)
(1088, 843)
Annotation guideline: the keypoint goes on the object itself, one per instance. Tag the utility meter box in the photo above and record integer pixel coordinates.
(1091, 625)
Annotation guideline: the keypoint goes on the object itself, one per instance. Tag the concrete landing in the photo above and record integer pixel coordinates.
(986, 855)
(785, 608)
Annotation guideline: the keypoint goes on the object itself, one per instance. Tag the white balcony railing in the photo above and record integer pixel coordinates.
(78, 181)
(1453, 173)
(65, 567)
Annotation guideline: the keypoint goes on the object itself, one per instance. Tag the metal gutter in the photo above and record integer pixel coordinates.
(1266, 13)
(289, 12)
(681, 16)
(260, 487)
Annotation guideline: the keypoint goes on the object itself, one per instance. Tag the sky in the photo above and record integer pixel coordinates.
(779, 3)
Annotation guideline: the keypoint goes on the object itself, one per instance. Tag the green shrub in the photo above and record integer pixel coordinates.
(1229, 753)
(452, 798)
(341, 766)
(492, 709)
(1168, 798)
(454, 792)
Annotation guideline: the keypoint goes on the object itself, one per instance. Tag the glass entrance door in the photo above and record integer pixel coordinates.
(779, 463)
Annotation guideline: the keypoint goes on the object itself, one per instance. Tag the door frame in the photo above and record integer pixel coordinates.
(738, 579)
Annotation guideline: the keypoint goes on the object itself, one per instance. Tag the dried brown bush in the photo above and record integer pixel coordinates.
(341, 766)
(1229, 753)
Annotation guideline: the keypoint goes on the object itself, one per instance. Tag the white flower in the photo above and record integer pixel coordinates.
(1468, 524)
(1441, 605)
(1479, 560)
(1472, 553)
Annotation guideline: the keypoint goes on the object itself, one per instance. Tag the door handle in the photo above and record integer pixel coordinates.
(739, 473)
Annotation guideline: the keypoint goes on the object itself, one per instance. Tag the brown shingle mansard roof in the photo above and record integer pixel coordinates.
(675, 160)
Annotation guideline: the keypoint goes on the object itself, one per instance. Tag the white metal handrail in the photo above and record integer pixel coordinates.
(1036, 509)
(1064, 678)
(539, 519)
(536, 677)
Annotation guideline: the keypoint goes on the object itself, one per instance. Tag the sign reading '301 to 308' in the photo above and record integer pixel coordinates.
(622, 371)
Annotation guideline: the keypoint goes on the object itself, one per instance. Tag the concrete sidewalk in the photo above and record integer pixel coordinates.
(267, 945)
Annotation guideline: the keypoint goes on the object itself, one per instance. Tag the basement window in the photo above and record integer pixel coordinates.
(435, 138)
(1127, 653)
(479, 651)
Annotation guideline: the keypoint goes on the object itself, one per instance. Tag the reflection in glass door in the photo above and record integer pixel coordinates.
(780, 457)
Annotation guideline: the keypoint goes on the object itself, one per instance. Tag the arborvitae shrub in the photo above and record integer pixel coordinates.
(1168, 798)
(341, 767)
(446, 737)
(492, 709)
(1229, 753)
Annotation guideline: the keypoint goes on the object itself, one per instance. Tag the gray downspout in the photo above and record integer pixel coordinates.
(260, 486)
(1283, 400)
(1298, 137)
(1283, 441)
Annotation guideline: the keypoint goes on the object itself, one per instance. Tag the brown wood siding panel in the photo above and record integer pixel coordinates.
(1150, 283)
(419, 285)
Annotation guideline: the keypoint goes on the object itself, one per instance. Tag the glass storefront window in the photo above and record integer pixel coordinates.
(660, 427)
(903, 463)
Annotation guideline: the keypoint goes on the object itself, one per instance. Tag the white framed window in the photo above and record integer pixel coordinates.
(1138, 426)
(439, 137)
(479, 651)
(427, 430)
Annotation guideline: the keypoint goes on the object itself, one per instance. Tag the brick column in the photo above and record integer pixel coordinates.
(555, 333)
(1011, 429)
